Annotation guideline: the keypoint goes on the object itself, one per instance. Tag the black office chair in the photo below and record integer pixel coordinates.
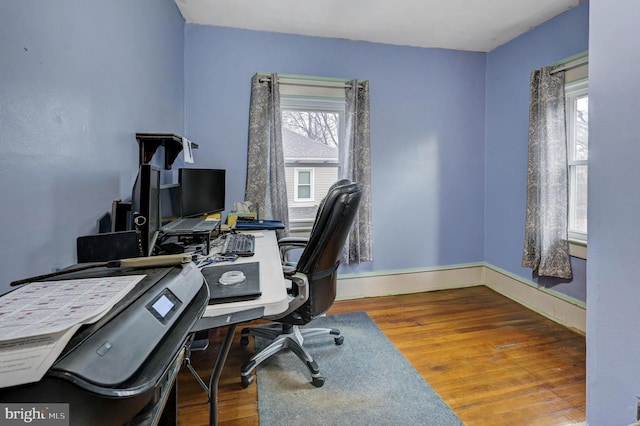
(313, 279)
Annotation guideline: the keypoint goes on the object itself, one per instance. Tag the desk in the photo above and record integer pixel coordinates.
(274, 294)
(274, 300)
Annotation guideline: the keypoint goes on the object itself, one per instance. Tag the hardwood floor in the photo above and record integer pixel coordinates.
(491, 360)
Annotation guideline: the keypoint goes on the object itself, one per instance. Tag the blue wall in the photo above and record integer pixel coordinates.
(613, 348)
(427, 131)
(507, 119)
(78, 80)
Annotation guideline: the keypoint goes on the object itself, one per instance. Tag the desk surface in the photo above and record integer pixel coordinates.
(274, 298)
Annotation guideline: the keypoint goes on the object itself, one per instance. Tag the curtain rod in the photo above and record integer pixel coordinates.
(571, 65)
(293, 82)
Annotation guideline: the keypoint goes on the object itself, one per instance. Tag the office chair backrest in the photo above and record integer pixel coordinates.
(339, 183)
(321, 257)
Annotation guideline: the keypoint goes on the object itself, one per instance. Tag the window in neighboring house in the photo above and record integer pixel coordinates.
(303, 185)
(577, 111)
(312, 125)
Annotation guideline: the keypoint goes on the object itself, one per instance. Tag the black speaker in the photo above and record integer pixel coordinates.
(109, 246)
(120, 216)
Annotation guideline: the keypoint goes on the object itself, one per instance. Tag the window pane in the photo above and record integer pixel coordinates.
(582, 128)
(311, 128)
(304, 178)
(579, 199)
(304, 192)
(577, 97)
(322, 127)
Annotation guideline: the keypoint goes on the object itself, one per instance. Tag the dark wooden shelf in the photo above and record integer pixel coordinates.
(149, 143)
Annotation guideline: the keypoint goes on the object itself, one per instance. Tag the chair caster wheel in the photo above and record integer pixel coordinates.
(247, 380)
(317, 381)
(339, 340)
(244, 340)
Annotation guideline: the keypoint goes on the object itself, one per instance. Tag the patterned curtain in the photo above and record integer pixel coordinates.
(546, 246)
(266, 184)
(355, 165)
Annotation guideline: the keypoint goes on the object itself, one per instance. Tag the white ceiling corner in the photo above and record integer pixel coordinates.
(471, 25)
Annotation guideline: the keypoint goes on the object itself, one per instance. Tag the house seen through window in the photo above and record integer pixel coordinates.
(312, 124)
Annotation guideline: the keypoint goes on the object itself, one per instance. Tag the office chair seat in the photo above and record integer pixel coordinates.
(313, 283)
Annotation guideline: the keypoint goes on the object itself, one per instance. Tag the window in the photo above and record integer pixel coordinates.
(312, 125)
(303, 185)
(577, 110)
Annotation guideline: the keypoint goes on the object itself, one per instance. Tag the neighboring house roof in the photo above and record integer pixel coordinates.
(301, 149)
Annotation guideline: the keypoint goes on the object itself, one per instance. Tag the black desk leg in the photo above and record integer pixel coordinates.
(217, 371)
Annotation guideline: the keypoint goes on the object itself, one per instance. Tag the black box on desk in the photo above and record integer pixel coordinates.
(109, 246)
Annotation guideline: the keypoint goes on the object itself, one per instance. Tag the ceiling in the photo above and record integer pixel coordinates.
(473, 25)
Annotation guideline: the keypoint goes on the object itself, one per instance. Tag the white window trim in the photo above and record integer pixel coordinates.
(578, 248)
(296, 184)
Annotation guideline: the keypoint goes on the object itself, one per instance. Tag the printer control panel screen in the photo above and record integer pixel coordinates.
(164, 306)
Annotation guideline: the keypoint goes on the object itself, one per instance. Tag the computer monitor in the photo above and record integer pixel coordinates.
(145, 206)
(202, 191)
(170, 209)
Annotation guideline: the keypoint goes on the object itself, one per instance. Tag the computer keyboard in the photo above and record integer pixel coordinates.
(239, 245)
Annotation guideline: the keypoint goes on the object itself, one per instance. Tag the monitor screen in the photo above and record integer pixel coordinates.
(145, 205)
(202, 191)
(170, 209)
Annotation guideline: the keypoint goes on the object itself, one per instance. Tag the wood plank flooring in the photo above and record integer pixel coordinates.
(491, 360)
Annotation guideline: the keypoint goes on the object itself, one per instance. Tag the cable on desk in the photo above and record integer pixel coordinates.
(215, 258)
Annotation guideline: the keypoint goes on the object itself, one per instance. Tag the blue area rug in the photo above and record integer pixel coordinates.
(368, 381)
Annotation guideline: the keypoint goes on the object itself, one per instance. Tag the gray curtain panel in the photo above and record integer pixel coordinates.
(546, 246)
(355, 165)
(266, 184)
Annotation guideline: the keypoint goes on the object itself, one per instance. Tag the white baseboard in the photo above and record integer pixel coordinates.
(411, 281)
(552, 305)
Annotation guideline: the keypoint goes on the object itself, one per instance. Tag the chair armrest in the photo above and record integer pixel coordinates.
(293, 241)
(300, 281)
(287, 244)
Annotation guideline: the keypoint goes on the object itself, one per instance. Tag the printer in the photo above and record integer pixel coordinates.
(121, 369)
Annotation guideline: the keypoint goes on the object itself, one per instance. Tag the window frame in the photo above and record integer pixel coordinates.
(574, 90)
(313, 98)
(297, 184)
